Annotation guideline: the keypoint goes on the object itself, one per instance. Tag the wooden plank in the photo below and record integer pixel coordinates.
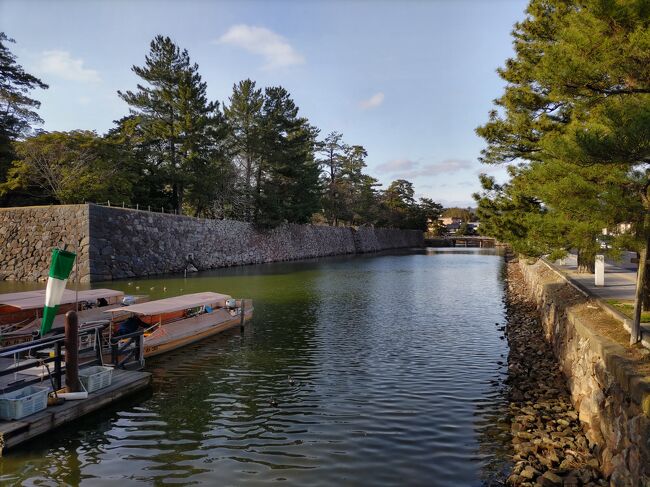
(124, 383)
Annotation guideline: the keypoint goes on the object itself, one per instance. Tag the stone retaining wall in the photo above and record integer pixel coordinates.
(609, 383)
(121, 243)
(28, 234)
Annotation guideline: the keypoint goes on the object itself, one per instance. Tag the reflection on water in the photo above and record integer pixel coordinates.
(357, 370)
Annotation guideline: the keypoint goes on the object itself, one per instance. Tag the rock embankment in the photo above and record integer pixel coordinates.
(551, 448)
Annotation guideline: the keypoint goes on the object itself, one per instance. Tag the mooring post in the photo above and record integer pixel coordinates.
(71, 352)
(242, 310)
(600, 270)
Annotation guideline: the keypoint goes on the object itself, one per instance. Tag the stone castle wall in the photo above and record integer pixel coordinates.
(121, 243)
(609, 385)
(28, 234)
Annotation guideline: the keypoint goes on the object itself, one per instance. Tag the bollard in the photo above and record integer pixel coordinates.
(600, 270)
(72, 352)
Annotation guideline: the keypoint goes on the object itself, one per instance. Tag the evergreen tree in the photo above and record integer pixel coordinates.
(244, 118)
(332, 152)
(17, 110)
(287, 179)
(175, 120)
(578, 92)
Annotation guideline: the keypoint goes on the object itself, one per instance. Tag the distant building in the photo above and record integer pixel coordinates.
(448, 220)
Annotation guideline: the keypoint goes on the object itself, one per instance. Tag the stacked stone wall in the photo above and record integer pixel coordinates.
(28, 234)
(119, 243)
(609, 384)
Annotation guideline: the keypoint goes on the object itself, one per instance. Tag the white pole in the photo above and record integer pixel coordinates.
(600, 270)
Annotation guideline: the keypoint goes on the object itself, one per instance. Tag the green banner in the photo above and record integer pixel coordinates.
(62, 262)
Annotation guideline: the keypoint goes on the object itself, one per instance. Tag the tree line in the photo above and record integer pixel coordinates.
(253, 158)
(574, 126)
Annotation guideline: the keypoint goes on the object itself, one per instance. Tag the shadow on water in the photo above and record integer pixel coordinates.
(355, 370)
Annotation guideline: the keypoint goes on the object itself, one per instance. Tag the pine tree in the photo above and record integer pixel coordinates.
(17, 110)
(175, 120)
(287, 174)
(244, 119)
(578, 93)
(332, 152)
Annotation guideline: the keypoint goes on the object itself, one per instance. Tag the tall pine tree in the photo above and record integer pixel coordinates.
(287, 177)
(175, 121)
(244, 118)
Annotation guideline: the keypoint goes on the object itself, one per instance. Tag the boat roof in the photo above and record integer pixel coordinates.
(169, 305)
(36, 299)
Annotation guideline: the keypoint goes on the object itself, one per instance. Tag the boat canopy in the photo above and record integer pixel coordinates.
(36, 299)
(177, 303)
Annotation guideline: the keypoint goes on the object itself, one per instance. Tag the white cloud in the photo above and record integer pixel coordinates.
(84, 100)
(408, 169)
(61, 64)
(397, 165)
(275, 49)
(373, 102)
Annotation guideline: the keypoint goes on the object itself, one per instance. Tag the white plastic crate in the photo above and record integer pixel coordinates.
(96, 377)
(23, 402)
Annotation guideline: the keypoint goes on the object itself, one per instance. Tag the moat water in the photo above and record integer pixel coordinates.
(370, 370)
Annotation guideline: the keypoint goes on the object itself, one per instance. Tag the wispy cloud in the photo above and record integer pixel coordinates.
(275, 49)
(373, 102)
(397, 165)
(408, 169)
(62, 65)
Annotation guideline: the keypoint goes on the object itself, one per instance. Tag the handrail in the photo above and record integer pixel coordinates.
(43, 342)
(133, 342)
(26, 352)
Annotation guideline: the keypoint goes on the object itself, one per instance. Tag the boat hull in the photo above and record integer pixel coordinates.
(167, 342)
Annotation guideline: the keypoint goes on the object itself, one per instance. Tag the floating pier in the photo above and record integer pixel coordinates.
(124, 383)
(25, 375)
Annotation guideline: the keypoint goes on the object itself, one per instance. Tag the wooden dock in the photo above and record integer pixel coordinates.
(124, 383)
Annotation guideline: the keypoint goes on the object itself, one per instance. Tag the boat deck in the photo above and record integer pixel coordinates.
(124, 383)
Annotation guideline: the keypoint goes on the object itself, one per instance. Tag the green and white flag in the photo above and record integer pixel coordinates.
(60, 269)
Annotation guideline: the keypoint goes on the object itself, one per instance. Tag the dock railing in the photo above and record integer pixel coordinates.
(49, 352)
(128, 350)
(26, 356)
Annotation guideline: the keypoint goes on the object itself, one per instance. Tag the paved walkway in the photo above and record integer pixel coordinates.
(620, 284)
(620, 279)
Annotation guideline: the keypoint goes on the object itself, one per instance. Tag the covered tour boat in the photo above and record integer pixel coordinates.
(172, 323)
(20, 309)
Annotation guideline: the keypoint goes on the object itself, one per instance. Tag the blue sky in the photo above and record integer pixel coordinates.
(409, 80)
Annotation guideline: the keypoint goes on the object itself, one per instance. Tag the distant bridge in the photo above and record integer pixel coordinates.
(461, 241)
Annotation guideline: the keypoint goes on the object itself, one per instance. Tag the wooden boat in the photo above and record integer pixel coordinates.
(172, 323)
(19, 309)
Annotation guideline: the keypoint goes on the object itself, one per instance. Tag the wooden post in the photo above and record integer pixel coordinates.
(72, 352)
(242, 309)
